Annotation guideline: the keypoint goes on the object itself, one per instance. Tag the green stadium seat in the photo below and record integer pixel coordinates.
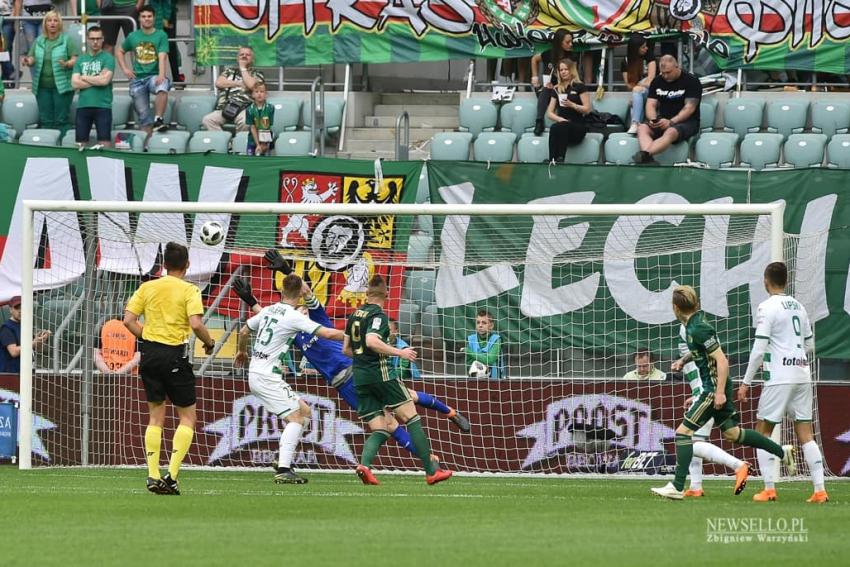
(431, 328)
(240, 143)
(169, 110)
(760, 151)
(587, 152)
(419, 249)
(707, 113)
(518, 115)
(294, 144)
(168, 143)
(716, 149)
(830, 117)
(13, 135)
(477, 115)
(192, 109)
(742, 116)
(423, 191)
(616, 105)
(121, 106)
(804, 150)
(451, 146)
(419, 287)
(408, 318)
(137, 143)
(40, 137)
(209, 141)
(287, 112)
(838, 152)
(69, 140)
(494, 146)
(425, 223)
(533, 149)
(20, 110)
(787, 117)
(677, 153)
(333, 115)
(620, 149)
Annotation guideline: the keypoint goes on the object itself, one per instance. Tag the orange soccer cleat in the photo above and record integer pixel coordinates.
(365, 474)
(766, 495)
(741, 475)
(439, 476)
(820, 497)
(691, 493)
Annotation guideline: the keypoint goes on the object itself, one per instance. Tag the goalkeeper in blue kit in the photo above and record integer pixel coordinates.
(327, 358)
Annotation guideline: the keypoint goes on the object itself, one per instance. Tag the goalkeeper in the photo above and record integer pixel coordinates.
(327, 358)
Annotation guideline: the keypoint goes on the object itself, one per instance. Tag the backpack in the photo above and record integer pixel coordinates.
(600, 121)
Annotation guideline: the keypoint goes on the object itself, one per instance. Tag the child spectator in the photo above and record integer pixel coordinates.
(260, 117)
(484, 346)
(404, 369)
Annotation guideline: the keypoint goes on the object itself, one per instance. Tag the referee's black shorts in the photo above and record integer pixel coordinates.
(165, 371)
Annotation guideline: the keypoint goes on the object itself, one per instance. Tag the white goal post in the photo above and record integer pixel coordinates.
(597, 371)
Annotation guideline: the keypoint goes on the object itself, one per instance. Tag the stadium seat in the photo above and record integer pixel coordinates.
(760, 151)
(40, 137)
(333, 115)
(204, 141)
(169, 110)
(419, 287)
(616, 105)
(425, 223)
(716, 149)
(787, 117)
(294, 144)
(13, 135)
(519, 115)
(830, 117)
(287, 112)
(20, 110)
(533, 149)
(494, 146)
(408, 318)
(742, 115)
(121, 107)
(707, 113)
(431, 328)
(453, 146)
(69, 140)
(168, 143)
(419, 249)
(240, 143)
(620, 149)
(192, 109)
(477, 115)
(137, 140)
(587, 152)
(423, 191)
(677, 153)
(804, 150)
(838, 152)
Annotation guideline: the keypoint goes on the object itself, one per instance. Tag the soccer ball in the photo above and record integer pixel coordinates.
(477, 370)
(212, 233)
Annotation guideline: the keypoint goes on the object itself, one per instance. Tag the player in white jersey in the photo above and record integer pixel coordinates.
(702, 448)
(275, 326)
(784, 341)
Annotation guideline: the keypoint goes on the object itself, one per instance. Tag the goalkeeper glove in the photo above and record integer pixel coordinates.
(242, 288)
(277, 263)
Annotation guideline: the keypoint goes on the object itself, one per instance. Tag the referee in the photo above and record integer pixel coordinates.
(170, 306)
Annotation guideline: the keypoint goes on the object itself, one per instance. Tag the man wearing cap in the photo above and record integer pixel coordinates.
(10, 339)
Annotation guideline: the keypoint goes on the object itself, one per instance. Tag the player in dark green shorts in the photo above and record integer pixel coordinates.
(714, 401)
(377, 386)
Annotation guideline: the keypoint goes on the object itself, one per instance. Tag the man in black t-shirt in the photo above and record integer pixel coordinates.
(672, 110)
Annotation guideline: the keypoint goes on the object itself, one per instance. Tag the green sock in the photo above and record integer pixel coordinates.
(684, 455)
(752, 438)
(421, 444)
(373, 445)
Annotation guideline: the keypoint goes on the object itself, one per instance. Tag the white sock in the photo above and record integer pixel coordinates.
(815, 461)
(767, 468)
(695, 473)
(288, 441)
(717, 455)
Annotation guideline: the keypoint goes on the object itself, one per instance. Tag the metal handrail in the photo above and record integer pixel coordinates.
(402, 151)
(316, 115)
(346, 91)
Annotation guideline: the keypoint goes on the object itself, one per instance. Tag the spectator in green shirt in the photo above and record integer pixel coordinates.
(93, 77)
(150, 50)
(131, 8)
(166, 20)
(484, 347)
(260, 116)
(52, 57)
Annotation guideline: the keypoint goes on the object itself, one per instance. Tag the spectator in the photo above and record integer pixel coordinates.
(403, 368)
(10, 339)
(644, 368)
(8, 36)
(485, 346)
(672, 110)
(567, 111)
(562, 45)
(36, 10)
(166, 20)
(93, 77)
(234, 92)
(117, 353)
(2, 92)
(130, 8)
(150, 49)
(92, 8)
(52, 57)
(639, 69)
(260, 117)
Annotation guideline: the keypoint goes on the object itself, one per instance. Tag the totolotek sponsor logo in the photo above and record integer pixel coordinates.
(794, 361)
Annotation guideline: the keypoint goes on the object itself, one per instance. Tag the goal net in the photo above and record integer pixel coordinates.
(549, 326)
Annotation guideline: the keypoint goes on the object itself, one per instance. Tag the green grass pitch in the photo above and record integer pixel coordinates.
(105, 517)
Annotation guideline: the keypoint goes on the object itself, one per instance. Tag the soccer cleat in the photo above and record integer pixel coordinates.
(820, 497)
(170, 486)
(439, 476)
(669, 491)
(156, 486)
(766, 495)
(365, 474)
(741, 475)
(460, 421)
(788, 459)
(288, 477)
(694, 493)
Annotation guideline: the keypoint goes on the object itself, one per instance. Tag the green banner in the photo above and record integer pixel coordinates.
(585, 288)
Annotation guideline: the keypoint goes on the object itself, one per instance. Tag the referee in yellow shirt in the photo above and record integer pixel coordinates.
(170, 306)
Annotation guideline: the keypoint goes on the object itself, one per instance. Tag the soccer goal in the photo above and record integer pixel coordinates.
(548, 326)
